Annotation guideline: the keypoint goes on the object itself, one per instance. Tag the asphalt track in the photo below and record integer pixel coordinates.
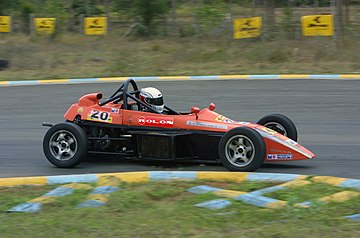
(326, 113)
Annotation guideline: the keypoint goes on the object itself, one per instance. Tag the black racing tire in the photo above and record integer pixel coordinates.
(281, 124)
(65, 145)
(235, 152)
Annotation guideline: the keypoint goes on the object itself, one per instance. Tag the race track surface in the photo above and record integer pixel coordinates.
(326, 113)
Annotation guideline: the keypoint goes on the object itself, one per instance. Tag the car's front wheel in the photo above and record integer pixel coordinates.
(65, 145)
(242, 149)
(281, 124)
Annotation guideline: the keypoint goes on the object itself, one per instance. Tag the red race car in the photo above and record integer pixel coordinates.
(136, 124)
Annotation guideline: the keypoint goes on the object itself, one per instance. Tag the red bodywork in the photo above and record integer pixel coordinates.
(278, 147)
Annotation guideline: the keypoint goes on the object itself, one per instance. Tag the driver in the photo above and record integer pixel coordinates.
(152, 97)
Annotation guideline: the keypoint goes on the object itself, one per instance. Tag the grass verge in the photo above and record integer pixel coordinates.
(165, 209)
(74, 56)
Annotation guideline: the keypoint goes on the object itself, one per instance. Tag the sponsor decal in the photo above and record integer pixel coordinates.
(268, 130)
(293, 143)
(276, 151)
(279, 156)
(220, 118)
(156, 121)
(206, 124)
(115, 110)
(242, 123)
(224, 119)
(96, 115)
(80, 110)
(227, 120)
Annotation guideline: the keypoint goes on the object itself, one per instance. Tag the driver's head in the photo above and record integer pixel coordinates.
(153, 98)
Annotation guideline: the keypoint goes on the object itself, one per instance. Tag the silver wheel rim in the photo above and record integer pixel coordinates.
(239, 150)
(63, 145)
(276, 127)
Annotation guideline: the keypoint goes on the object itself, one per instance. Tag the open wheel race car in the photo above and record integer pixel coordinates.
(117, 126)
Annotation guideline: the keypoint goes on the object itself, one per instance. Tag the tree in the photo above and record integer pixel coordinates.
(338, 17)
(269, 19)
(149, 10)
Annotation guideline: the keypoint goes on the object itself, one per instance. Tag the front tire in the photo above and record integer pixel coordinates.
(281, 124)
(65, 145)
(242, 149)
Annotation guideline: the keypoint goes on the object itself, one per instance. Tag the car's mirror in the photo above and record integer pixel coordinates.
(195, 110)
(212, 106)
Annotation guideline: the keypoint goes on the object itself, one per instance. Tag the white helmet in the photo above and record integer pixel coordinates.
(153, 98)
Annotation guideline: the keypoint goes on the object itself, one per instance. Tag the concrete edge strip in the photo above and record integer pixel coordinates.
(176, 78)
(155, 176)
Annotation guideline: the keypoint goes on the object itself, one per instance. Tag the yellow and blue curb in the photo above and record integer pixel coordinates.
(184, 78)
(99, 195)
(109, 183)
(36, 204)
(214, 204)
(255, 197)
(148, 176)
(355, 217)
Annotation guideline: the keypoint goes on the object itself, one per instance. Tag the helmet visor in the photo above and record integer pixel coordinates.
(155, 101)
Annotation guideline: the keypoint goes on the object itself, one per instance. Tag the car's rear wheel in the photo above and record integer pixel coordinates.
(242, 149)
(65, 145)
(281, 124)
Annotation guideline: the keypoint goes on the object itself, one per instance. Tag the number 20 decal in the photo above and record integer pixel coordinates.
(96, 115)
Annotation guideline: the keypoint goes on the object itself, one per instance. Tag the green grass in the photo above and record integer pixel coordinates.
(165, 209)
(76, 56)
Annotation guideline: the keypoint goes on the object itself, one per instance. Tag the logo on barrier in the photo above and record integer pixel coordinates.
(44, 25)
(5, 24)
(317, 25)
(247, 27)
(95, 25)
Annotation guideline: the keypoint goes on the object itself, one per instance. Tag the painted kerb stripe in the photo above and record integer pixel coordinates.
(185, 78)
(174, 175)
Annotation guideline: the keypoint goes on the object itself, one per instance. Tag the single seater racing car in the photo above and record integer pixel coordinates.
(117, 126)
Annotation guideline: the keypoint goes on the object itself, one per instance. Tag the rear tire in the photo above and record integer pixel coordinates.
(65, 145)
(281, 124)
(242, 149)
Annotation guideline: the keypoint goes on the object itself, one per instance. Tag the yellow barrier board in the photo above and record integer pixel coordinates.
(95, 25)
(247, 27)
(317, 25)
(44, 25)
(5, 24)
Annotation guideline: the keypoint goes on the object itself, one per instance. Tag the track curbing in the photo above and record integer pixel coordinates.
(108, 183)
(155, 176)
(184, 78)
